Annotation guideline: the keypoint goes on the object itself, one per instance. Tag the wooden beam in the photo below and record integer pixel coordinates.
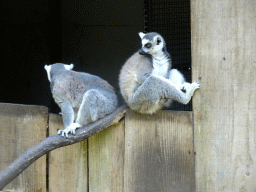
(23, 126)
(106, 160)
(224, 61)
(159, 152)
(67, 165)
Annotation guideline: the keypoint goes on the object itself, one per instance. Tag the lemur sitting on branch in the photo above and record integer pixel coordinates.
(82, 97)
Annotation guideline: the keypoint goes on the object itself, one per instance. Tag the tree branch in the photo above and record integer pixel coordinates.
(54, 142)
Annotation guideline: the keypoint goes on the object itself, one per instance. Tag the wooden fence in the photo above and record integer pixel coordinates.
(141, 153)
(21, 127)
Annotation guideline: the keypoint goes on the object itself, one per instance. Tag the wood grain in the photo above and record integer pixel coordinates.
(22, 126)
(67, 165)
(106, 160)
(159, 152)
(224, 61)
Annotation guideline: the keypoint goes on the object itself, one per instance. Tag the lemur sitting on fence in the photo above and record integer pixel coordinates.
(146, 80)
(82, 97)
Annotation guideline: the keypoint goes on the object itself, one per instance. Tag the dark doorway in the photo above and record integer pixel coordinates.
(96, 36)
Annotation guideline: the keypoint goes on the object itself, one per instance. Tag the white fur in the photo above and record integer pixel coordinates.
(160, 64)
(159, 70)
(69, 67)
(158, 37)
(141, 35)
(160, 61)
(176, 77)
(48, 70)
(144, 41)
(157, 48)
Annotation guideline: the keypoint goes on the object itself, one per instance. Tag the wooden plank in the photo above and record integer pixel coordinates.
(159, 152)
(106, 160)
(23, 126)
(67, 165)
(224, 60)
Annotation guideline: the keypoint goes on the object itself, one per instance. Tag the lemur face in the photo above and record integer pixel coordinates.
(56, 67)
(152, 43)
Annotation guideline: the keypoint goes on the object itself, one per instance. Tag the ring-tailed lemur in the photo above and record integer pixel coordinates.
(82, 97)
(146, 80)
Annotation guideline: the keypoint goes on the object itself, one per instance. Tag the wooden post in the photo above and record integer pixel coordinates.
(67, 165)
(224, 61)
(71, 168)
(159, 152)
(106, 160)
(23, 126)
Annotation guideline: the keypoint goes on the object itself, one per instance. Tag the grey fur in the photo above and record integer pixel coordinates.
(82, 97)
(147, 82)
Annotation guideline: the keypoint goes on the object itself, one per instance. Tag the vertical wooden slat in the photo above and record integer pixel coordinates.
(159, 152)
(21, 127)
(224, 61)
(106, 160)
(67, 165)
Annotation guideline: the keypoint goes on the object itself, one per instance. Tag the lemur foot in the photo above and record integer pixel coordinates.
(183, 90)
(187, 86)
(196, 85)
(71, 128)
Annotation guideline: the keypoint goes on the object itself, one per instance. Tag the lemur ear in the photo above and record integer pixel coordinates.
(48, 70)
(69, 67)
(141, 35)
(158, 40)
(47, 67)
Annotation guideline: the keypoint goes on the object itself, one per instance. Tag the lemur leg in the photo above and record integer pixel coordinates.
(180, 95)
(157, 88)
(68, 119)
(177, 78)
(95, 105)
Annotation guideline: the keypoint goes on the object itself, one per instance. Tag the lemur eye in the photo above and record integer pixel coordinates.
(148, 45)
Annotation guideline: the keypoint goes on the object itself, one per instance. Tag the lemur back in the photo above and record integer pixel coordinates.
(135, 71)
(82, 97)
(146, 80)
(72, 86)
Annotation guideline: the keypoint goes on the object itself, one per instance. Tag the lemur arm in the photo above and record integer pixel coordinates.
(67, 113)
(141, 78)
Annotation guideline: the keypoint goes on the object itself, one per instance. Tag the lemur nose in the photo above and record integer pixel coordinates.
(141, 52)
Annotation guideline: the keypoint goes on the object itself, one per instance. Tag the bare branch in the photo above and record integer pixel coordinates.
(54, 142)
